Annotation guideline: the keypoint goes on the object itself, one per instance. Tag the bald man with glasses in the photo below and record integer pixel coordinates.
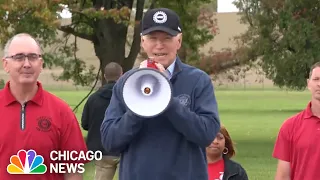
(32, 119)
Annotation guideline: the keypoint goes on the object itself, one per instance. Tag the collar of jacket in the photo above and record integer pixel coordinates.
(177, 68)
(111, 82)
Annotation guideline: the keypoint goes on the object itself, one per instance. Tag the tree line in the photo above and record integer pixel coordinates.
(282, 38)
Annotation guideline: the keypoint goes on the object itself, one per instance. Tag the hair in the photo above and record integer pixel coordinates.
(228, 143)
(112, 71)
(8, 43)
(317, 64)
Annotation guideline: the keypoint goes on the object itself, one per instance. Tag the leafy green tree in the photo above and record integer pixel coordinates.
(111, 25)
(2, 83)
(198, 22)
(283, 38)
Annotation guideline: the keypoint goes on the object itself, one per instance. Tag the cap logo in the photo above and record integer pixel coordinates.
(160, 17)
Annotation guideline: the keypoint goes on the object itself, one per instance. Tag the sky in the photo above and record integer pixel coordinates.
(226, 6)
(223, 6)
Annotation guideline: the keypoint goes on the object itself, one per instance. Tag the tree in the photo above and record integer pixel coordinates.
(283, 38)
(2, 83)
(105, 23)
(194, 14)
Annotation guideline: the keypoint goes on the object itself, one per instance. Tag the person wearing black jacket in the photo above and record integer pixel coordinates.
(92, 117)
(219, 154)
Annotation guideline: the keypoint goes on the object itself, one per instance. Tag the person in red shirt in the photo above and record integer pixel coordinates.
(32, 119)
(297, 146)
(219, 154)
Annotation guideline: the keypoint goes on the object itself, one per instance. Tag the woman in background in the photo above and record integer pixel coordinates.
(219, 154)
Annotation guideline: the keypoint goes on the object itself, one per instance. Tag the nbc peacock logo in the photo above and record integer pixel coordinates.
(26, 162)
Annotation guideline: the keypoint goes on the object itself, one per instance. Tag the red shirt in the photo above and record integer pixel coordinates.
(216, 170)
(49, 124)
(298, 142)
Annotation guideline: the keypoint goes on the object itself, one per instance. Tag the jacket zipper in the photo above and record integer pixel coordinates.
(23, 116)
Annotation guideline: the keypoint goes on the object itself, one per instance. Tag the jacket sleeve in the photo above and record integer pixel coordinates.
(119, 126)
(85, 116)
(202, 125)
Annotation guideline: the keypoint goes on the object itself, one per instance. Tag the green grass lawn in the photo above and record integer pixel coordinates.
(253, 119)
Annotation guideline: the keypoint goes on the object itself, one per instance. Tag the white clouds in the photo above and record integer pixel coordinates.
(226, 6)
(65, 14)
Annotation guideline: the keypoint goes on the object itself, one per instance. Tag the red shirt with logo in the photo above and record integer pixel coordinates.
(298, 142)
(215, 170)
(42, 125)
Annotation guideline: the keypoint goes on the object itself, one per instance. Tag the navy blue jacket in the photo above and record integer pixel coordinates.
(172, 145)
(233, 170)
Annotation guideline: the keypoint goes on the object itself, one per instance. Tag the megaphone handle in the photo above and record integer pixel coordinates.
(151, 64)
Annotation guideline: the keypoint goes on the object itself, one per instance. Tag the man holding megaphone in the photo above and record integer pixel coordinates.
(163, 114)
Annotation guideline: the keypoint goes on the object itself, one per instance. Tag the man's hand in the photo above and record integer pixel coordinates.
(160, 67)
(144, 64)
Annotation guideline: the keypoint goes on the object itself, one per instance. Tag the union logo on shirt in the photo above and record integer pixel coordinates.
(44, 124)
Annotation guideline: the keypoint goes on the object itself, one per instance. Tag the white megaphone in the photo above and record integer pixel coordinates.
(147, 92)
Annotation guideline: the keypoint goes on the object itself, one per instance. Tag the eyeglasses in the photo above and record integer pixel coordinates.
(21, 57)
